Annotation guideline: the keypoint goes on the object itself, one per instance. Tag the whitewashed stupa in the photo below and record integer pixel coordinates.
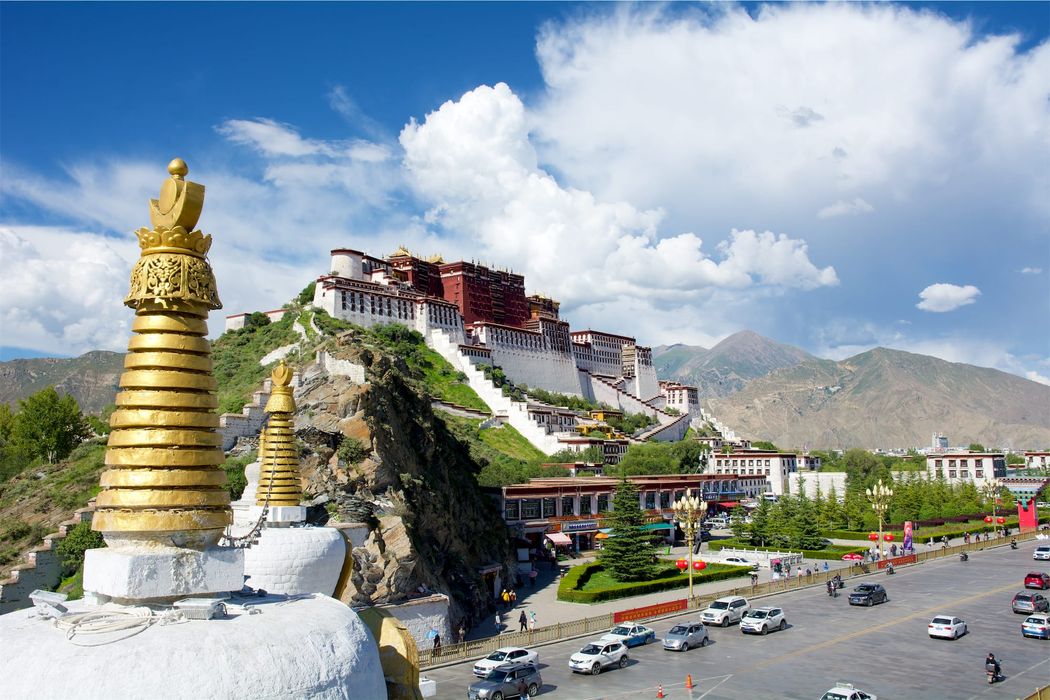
(162, 616)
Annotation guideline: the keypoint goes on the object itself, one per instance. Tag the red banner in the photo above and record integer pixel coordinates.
(896, 561)
(650, 611)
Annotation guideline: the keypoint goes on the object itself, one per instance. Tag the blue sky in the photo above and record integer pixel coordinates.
(833, 176)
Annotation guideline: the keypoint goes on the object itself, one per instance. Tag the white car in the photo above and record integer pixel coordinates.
(595, 656)
(762, 620)
(1041, 552)
(503, 656)
(846, 691)
(725, 610)
(947, 627)
(630, 635)
(740, 561)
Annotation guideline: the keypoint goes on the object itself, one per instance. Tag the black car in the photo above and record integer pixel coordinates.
(868, 594)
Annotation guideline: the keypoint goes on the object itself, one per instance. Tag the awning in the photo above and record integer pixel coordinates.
(658, 526)
(602, 536)
(606, 530)
(729, 504)
(559, 538)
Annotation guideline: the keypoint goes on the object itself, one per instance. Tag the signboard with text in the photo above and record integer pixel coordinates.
(896, 561)
(650, 611)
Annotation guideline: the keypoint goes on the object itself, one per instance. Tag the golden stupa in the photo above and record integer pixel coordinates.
(279, 483)
(164, 452)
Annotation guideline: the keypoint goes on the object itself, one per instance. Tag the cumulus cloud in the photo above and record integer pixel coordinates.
(472, 160)
(943, 297)
(842, 208)
(1036, 377)
(1031, 270)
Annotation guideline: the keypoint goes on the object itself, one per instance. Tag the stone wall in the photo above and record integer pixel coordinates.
(812, 479)
(43, 567)
(421, 615)
(544, 369)
(341, 368)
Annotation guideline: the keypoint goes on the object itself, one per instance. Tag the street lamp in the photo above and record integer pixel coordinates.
(879, 495)
(991, 491)
(689, 513)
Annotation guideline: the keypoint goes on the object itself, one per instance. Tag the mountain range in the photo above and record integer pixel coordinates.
(91, 378)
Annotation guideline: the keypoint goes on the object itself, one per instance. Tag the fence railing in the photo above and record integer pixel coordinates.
(478, 648)
(1040, 694)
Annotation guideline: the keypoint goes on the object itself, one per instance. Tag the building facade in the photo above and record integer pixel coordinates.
(962, 466)
(772, 466)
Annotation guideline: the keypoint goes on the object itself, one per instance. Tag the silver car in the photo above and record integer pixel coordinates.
(685, 636)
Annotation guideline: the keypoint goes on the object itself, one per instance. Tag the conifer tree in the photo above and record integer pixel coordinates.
(627, 554)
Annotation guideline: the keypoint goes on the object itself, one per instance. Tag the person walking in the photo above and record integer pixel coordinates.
(462, 633)
(437, 645)
(499, 623)
(523, 622)
(532, 621)
(513, 598)
(826, 567)
(532, 576)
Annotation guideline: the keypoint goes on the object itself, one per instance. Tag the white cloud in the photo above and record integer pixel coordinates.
(473, 161)
(842, 208)
(1036, 377)
(943, 297)
(1031, 270)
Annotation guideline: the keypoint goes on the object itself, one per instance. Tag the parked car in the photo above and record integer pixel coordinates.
(947, 627)
(685, 636)
(1025, 602)
(1037, 579)
(502, 682)
(846, 691)
(725, 610)
(1042, 552)
(762, 620)
(595, 656)
(740, 561)
(1037, 625)
(504, 656)
(630, 635)
(868, 594)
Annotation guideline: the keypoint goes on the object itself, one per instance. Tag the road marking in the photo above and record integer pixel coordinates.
(992, 686)
(667, 687)
(877, 628)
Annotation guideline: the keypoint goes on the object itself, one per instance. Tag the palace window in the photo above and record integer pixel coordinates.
(650, 500)
(951, 473)
(585, 505)
(979, 473)
(603, 502)
(665, 499)
(549, 507)
(530, 508)
(510, 510)
(567, 507)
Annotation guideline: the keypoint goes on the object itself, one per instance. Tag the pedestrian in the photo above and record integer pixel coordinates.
(462, 633)
(754, 579)
(799, 579)
(499, 623)
(523, 688)
(532, 621)
(513, 598)
(826, 567)
(505, 597)
(523, 621)
(532, 576)
(437, 645)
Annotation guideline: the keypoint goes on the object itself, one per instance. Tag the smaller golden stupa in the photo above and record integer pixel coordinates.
(279, 483)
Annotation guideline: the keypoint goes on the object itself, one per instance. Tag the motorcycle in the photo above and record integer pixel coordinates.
(889, 570)
(992, 672)
(1013, 544)
(964, 557)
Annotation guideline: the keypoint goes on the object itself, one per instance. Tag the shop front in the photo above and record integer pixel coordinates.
(581, 532)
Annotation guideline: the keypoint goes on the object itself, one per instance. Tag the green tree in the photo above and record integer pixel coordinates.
(307, 295)
(72, 547)
(48, 426)
(741, 530)
(627, 555)
(760, 523)
(807, 534)
(764, 445)
(591, 455)
(976, 447)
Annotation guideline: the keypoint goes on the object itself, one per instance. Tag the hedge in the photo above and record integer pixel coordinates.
(926, 533)
(577, 577)
(834, 551)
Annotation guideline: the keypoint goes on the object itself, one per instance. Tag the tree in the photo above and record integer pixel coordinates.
(48, 425)
(72, 547)
(764, 445)
(256, 319)
(627, 554)
(591, 455)
(307, 295)
(976, 447)
(760, 522)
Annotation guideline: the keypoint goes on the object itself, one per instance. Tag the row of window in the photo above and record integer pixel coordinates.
(963, 463)
(962, 474)
(742, 472)
(505, 336)
(376, 305)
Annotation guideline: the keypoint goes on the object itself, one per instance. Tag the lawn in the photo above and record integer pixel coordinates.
(510, 442)
(445, 383)
(589, 583)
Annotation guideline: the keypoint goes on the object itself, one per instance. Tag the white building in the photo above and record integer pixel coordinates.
(961, 466)
(1037, 460)
(939, 443)
(683, 398)
(774, 466)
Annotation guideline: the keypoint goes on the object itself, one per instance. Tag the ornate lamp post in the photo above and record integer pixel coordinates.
(879, 495)
(689, 513)
(991, 491)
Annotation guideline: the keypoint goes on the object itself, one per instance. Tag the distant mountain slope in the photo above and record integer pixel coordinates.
(91, 378)
(889, 398)
(728, 366)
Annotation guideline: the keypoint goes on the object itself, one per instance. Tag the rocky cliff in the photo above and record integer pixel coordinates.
(406, 475)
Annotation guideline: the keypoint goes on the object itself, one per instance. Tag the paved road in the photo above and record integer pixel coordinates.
(884, 649)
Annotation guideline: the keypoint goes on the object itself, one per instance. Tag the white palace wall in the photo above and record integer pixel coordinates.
(543, 369)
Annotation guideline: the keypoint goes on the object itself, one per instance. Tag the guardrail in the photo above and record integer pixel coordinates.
(478, 648)
(1039, 694)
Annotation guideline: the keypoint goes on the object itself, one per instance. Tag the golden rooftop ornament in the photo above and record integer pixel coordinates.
(279, 483)
(164, 451)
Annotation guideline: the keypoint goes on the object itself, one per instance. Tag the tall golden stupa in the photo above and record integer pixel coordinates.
(163, 481)
(279, 483)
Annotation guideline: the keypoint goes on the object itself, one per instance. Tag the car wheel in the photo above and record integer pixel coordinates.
(725, 622)
(623, 661)
(497, 696)
(685, 647)
(783, 625)
(596, 668)
(765, 631)
(533, 690)
(703, 642)
(868, 602)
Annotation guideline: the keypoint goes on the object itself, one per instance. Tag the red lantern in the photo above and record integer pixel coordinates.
(873, 536)
(699, 565)
(1001, 520)
(987, 518)
(682, 564)
(888, 537)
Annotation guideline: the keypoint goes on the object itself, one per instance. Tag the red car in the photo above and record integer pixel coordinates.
(1035, 579)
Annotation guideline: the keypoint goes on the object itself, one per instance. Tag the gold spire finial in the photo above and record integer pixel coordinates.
(279, 483)
(163, 479)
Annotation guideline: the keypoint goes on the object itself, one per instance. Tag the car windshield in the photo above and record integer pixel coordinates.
(942, 621)
(1023, 598)
(497, 675)
(497, 656)
(1034, 620)
(833, 695)
(591, 650)
(621, 630)
(865, 589)
(679, 629)
(757, 613)
(719, 605)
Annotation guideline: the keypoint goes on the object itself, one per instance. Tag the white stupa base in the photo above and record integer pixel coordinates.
(286, 514)
(309, 648)
(130, 573)
(294, 560)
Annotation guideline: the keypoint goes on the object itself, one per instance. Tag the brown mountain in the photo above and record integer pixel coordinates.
(91, 378)
(728, 366)
(888, 398)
